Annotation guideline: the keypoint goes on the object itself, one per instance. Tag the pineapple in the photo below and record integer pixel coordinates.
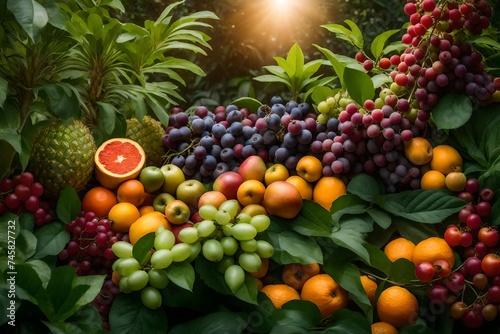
(63, 155)
(148, 134)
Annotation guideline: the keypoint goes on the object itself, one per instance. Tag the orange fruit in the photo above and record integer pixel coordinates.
(276, 172)
(327, 190)
(446, 159)
(122, 216)
(254, 209)
(131, 191)
(150, 222)
(280, 294)
(418, 150)
(264, 266)
(327, 294)
(432, 249)
(99, 200)
(296, 274)
(282, 199)
(250, 192)
(455, 181)
(309, 168)
(399, 248)
(370, 287)
(397, 306)
(305, 188)
(143, 209)
(383, 328)
(118, 160)
(433, 179)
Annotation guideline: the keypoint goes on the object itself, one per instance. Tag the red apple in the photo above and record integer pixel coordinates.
(228, 184)
(253, 168)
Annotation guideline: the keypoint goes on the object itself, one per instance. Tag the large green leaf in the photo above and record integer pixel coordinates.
(338, 66)
(452, 111)
(51, 239)
(365, 187)
(181, 274)
(213, 323)
(424, 206)
(312, 220)
(296, 316)
(359, 85)
(352, 233)
(129, 315)
(378, 43)
(347, 321)
(290, 246)
(68, 204)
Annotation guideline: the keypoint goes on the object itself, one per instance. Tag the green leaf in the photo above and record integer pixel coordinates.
(452, 111)
(248, 292)
(338, 66)
(382, 218)
(51, 239)
(94, 282)
(42, 269)
(29, 285)
(290, 246)
(353, 36)
(4, 84)
(142, 248)
(107, 117)
(23, 11)
(347, 204)
(352, 233)
(359, 85)
(26, 243)
(86, 320)
(379, 41)
(365, 187)
(378, 260)
(312, 220)
(11, 228)
(347, 321)
(414, 231)
(68, 204)
(63, 100)
(402, 271)
(213, 323)
(296, 316)
(181, 274)
(424, 206)
(247, 102)
(128, 315)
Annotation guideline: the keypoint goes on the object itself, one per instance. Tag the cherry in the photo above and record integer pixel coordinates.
(483, 209)
(458, 309)
(486, 194)
(455, 282)
(472, 186)
(473, 317)
(453, 236)
(425, 272)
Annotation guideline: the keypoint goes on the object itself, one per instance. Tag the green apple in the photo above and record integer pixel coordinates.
(173, 176)
(161, 200)
(151, 178)
(190, 192)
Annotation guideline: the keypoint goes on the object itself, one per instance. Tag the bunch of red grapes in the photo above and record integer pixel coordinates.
(21, 193)
(89, 251)
(472, 290)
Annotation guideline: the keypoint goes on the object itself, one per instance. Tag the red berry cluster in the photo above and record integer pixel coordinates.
(472, 290)
(21, 193)
(89, 249)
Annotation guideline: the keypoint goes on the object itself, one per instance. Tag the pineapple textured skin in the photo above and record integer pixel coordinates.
(148, 134)
(63, 155)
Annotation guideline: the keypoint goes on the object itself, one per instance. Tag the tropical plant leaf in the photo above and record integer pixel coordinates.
(452, 111)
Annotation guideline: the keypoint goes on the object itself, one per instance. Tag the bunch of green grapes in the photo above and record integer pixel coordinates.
(148, 274)
(229, 238)
(332, 106)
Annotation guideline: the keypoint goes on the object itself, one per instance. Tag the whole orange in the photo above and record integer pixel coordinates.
(433, 179)
(399, 248)
(446, 159)
(309, 168)
(418, 150)
(296, 274)
(383, 328)
(280, 294)
(99, 200)
(122, 216)
(328, 189)
(432, 249)
(327, 294)
(397, 306)
(305, 188)
(250, 192)
(150, 222)
(282, 199)
(131, 191)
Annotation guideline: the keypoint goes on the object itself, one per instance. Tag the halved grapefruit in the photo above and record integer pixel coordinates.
(118, 160)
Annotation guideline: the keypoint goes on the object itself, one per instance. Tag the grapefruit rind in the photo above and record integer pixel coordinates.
(110, 179)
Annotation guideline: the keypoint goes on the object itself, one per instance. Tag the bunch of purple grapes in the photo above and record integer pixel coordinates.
(89, 249)
(104, 300)
(207, 144)
(21, 193)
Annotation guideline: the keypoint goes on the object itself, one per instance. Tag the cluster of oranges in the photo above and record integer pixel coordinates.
(441, 166)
